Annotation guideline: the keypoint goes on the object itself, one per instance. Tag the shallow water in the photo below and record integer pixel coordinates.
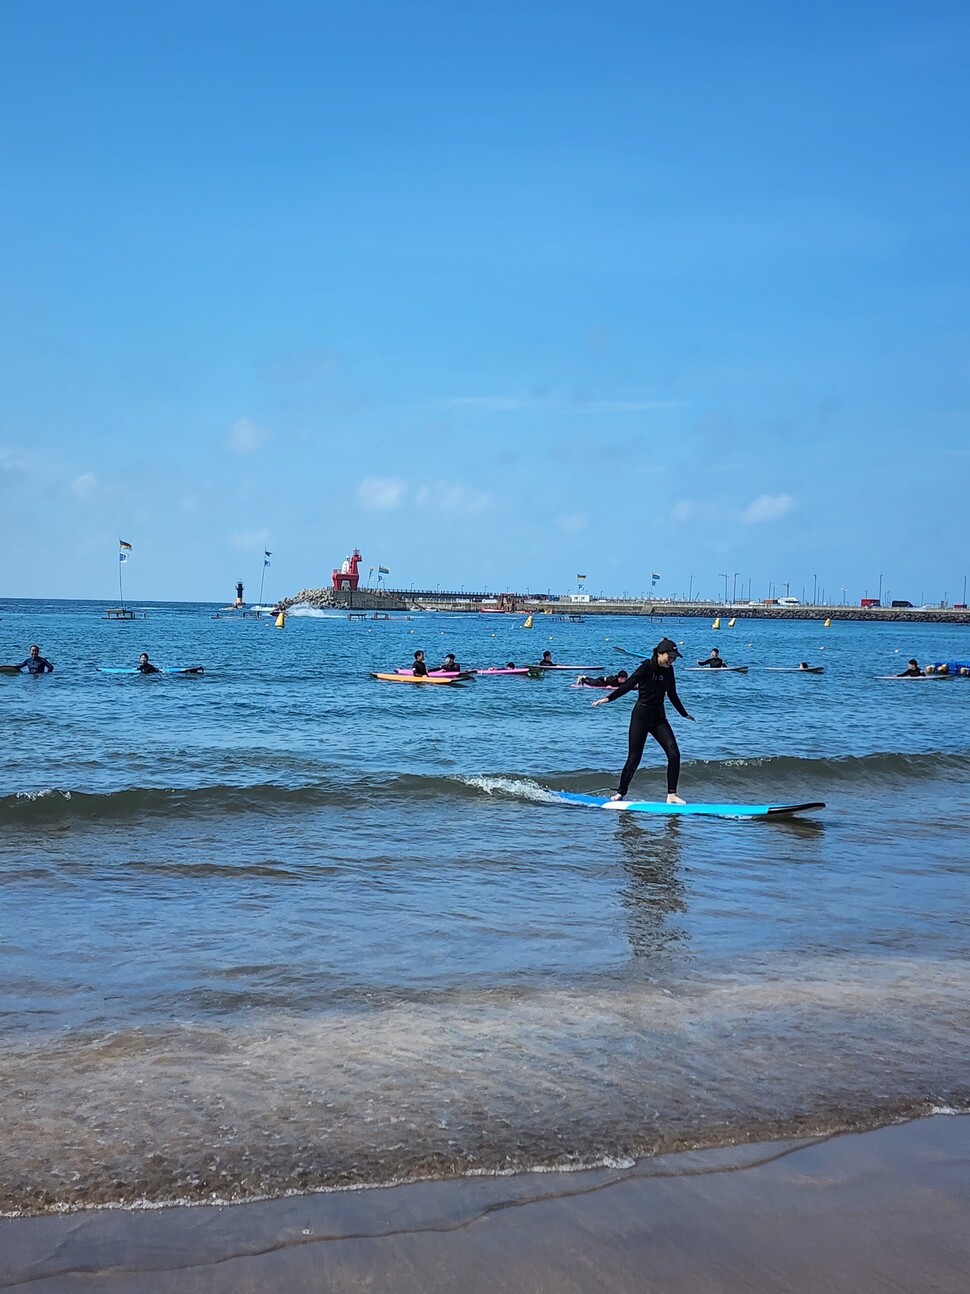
(283, 926)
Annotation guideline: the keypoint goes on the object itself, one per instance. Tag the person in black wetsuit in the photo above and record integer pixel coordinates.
(450, 665)
(36, 663)
(145, 666)
(912, 671)
(546, 660)
(419, 669)
(610, 680)
(654, 680)
(714, 660)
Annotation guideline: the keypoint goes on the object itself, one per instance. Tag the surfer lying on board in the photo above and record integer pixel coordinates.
(419, 669)
(145, 666)
(713, 661)
(610, 680)
(912, 671)
(35, 662)
(654, 680)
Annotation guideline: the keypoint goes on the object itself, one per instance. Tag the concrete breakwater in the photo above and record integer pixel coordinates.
(403, 600)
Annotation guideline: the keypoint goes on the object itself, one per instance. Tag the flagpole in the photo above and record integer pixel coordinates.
(121, 587)
(261, 578)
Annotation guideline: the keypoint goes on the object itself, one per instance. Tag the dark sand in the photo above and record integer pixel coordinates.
(880, 1211)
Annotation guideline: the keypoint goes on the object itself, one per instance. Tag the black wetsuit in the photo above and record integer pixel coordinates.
(654, 683)
(419, 669)
(453, 668)
(36, 665)
(611, 680)
(714, 662)
(148, 668)
(911, 673)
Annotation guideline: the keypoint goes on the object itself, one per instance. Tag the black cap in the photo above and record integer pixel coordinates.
(668, 645)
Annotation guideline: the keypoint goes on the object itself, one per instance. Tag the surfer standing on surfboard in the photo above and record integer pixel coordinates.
(654, 680)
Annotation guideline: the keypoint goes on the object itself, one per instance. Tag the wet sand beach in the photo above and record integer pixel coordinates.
(883, 1210)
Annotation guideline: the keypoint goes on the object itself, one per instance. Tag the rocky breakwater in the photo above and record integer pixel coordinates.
(345, 600)
(909, 615)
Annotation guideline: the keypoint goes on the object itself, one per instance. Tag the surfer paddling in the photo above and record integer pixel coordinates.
(654, 680)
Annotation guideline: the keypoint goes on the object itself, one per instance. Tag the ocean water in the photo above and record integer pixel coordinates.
(284, 927)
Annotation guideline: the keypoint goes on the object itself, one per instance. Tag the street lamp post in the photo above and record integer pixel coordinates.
(814, 590)
(880, 589)
(724, 576)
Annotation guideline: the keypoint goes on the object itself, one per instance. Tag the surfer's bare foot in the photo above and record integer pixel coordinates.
(616, 796)
(674, 798)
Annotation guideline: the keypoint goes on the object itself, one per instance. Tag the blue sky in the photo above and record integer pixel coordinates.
(500, 293)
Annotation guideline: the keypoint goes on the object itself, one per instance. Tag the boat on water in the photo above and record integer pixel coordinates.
(505, 604)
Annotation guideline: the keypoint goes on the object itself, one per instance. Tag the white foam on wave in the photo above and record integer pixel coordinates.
(517, 788)
(314, 613)
(42, 795)
(230, 1199)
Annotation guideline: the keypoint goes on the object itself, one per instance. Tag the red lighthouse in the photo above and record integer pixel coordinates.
(347, 577)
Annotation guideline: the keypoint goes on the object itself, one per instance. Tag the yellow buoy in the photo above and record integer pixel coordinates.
(731, 622)
(828, 624)
(281, 621)
(528, 623)
(717, 623)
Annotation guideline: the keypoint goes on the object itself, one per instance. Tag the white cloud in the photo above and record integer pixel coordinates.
(572, 522)
(684, 510)
(245, 437)
(84, 486)
(247, 540)
(768, 507)
(445, 497)
(11, 460)
(380, 493)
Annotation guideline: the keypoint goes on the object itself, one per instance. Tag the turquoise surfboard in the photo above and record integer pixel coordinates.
(689, 810)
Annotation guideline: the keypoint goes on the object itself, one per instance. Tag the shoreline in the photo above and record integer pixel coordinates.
(883, 1209)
